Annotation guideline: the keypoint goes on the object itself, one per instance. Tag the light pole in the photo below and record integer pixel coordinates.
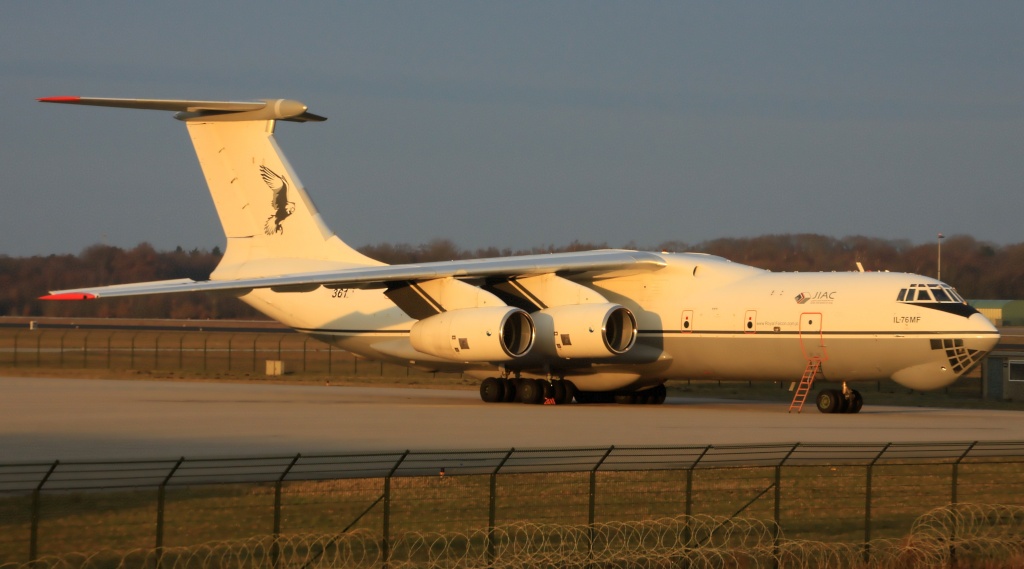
(938, 275)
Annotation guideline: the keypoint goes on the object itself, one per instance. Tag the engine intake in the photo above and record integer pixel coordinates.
(489, 334)
(585, 330)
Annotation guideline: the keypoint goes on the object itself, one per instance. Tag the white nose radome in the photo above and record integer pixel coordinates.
(953, 357)
(924, 377)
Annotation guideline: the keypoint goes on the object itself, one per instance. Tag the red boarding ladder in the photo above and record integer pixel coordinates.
(810, 373)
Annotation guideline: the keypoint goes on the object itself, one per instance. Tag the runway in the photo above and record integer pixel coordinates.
(87, 419)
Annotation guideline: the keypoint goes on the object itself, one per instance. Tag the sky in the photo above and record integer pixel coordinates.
(527, 124)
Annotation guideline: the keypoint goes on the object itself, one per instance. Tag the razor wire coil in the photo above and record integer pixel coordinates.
(963, 534)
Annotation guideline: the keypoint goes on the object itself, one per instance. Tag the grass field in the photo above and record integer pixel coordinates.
(817, 503)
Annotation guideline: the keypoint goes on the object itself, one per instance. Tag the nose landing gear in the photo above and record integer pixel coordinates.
(843, 400)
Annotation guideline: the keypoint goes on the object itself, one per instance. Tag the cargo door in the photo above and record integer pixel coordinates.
(812, 341)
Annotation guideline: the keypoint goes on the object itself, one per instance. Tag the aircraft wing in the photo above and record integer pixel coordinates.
(591, 263)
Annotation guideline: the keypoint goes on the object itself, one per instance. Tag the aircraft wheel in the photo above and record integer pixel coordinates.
(510, 390)
(492, 390)
(844, 402)
(560, 392)
(658, 394)
(570, 390)
(626, 398)
(828, 400)
(530, 391)
(856, 403)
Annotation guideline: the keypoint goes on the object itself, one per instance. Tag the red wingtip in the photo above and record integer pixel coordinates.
(58, 99)
(69, 296)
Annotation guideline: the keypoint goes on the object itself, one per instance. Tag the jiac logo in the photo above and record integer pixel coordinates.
(821, 297)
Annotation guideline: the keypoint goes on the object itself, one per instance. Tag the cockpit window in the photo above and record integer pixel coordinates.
(929, 293)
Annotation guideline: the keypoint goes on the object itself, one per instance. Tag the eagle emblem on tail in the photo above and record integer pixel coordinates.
(278, 202)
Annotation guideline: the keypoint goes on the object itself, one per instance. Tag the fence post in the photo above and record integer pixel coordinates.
(33, 543)
(85, 349)
(131, 360)
(109, 336)
(688, 531)
(205, 339)
(61, 361)
(591, 516)
(493, 505)
(778, 501)
(254, 339)
(181, 351)
(689, 481)
(160, 496)
(275, 548)
(230, 338)
(17, 335)
(156, 352)
(592, 511)
(956, 471)
(953, 497)
(867, 501)
(385, 545)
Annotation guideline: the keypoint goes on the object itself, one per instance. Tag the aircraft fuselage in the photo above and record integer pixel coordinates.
(703, 317)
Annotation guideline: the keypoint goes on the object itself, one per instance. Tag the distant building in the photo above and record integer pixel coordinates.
(1001, 312)
(1002, 376)
(1002, 371)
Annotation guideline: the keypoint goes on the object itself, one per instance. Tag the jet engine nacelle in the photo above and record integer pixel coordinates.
(585, 330)
(488, 334)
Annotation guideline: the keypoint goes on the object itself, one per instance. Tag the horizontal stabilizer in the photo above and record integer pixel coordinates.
(268, 109)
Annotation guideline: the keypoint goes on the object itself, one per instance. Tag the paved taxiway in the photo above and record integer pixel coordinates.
(76, 419)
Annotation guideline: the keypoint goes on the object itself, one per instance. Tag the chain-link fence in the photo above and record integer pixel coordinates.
(196, 347)
(853, 494)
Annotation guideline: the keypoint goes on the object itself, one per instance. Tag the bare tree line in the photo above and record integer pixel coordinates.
(978, 269)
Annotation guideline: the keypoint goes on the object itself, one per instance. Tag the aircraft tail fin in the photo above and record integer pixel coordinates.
(271, 224)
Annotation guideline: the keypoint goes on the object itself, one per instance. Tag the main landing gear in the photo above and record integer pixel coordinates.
(560, 392)
(524, 390)
(843, 400)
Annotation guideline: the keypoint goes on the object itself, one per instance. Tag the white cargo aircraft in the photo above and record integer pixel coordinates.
(595, 326)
